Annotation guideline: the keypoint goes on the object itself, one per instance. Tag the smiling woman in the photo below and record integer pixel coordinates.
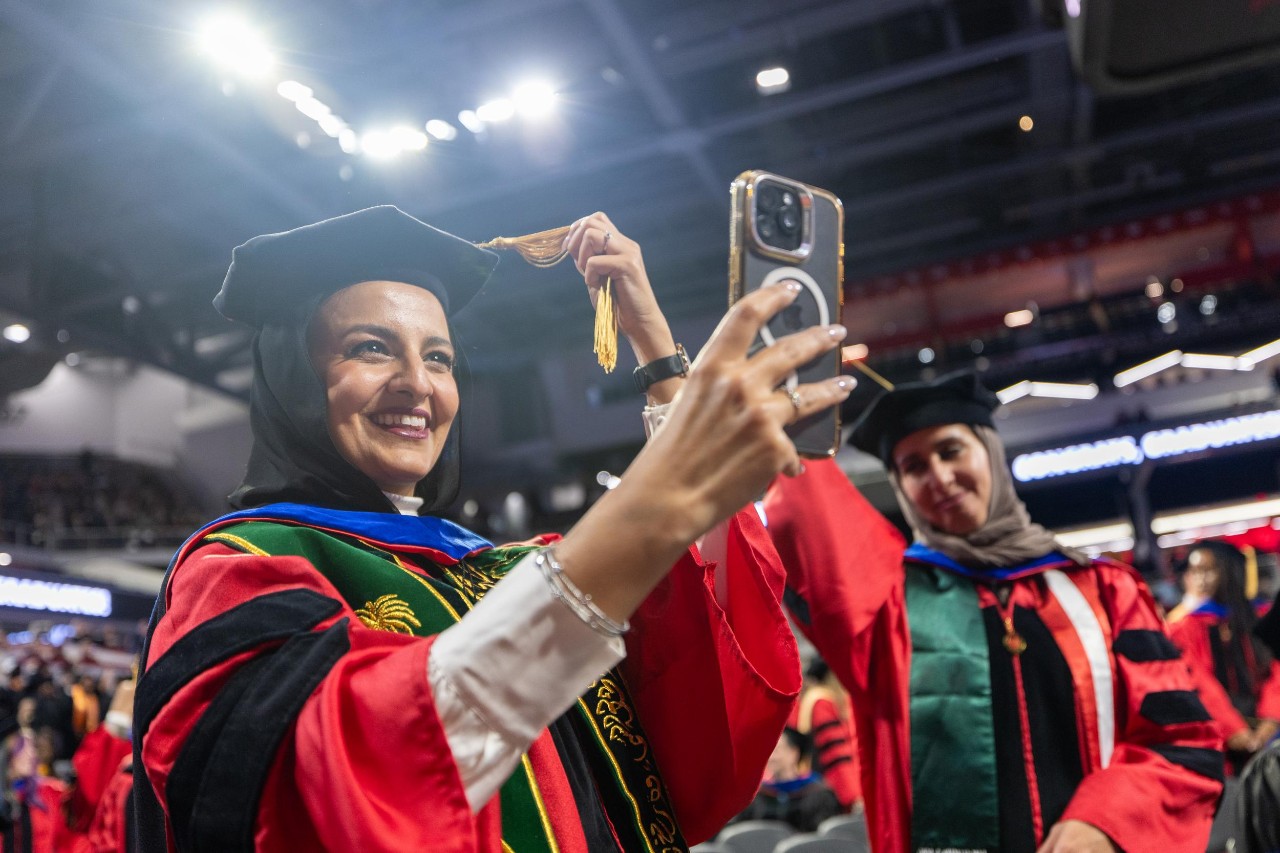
(334, 668)
(988, 652)
(383, 351)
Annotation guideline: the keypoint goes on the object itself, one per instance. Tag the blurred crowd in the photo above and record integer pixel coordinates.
(65, 714)
(58, 501)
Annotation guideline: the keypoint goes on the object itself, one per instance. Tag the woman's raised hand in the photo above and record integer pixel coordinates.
(601, 252)
(722, 444)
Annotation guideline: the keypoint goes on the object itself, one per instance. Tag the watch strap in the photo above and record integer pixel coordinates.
(646, 376)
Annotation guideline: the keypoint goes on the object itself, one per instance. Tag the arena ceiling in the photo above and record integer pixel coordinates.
(133, 163)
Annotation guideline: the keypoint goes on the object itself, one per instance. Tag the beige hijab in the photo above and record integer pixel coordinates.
(1009, 538)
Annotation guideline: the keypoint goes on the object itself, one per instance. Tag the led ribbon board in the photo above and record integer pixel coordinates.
(1157, 444)
(30, 594)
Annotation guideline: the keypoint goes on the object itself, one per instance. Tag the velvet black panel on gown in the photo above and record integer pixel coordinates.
(1051, 713)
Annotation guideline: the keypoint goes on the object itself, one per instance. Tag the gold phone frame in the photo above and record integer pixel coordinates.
(743, 237)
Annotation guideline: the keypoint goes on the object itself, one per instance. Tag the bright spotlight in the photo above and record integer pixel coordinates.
(407, 138)
(235, 45)
(348, 141)
(292, 90)
(1026, 124)
(17, 333)
(534, 99)
(471, 121)
(313, 108)
(771, 81)
(927, 355)
(442, 130)
(331, 125)
(499, 109)
(379, 145)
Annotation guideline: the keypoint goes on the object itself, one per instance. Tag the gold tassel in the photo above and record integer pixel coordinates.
(606, 334)
(1250, 571)
(883, 383)
(546, 249)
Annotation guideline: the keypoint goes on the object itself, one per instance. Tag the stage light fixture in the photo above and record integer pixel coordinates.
(771, 81)
(1188, 521)
(534, 99)
(17, 333)
(471, 121)
(1026, 124)
(331, 125)
(441, 130)
(1148, 368)
(927, 355)
(1014, 392)
(1052, 390)
(497, 110)
(1166, 313)
(233, 44)
(292, 90)
(1213, 362)
(1014, 319)
(1208, 304)
(1103, 534)
(1256, 356)
(313, 108)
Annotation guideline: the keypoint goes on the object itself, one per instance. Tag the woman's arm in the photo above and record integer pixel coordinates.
(719, 447)
(1167, 748)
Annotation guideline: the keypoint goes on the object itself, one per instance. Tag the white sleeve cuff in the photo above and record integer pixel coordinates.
(514, 663)
(655, 417)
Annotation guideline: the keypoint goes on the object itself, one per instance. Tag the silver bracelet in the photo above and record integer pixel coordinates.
(575, 599)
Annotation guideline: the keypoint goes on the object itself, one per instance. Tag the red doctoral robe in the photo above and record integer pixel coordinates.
(1156, 794)
(1192, 634)
(365, 765)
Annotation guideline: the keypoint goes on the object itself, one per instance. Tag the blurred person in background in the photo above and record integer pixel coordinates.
(334, 667)
(1009, 693)
(1238, 675)
(1257, 812)
(822, 714)
(792, 791)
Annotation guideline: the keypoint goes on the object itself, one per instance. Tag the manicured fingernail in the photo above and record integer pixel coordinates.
(837, 331)
(793, 286)
(846, 383)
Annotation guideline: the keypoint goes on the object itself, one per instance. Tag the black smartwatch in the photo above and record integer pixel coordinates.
(663, 368)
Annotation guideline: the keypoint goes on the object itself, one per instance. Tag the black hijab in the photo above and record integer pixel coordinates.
(276, 283)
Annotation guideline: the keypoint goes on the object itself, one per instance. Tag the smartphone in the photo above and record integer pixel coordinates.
(785, 229)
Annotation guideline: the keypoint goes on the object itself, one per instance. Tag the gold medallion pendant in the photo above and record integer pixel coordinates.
(1014, 643)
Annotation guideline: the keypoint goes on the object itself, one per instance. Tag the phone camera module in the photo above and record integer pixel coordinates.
(779, 217)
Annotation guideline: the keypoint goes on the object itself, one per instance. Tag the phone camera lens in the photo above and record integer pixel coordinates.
(788, 220)
(788, 200)
(765, 227)
(770, 197)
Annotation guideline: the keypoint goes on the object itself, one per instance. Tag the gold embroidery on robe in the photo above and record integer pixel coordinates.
(389, 613)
